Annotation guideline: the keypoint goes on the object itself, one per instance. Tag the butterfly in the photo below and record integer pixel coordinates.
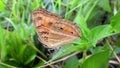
(53, 30)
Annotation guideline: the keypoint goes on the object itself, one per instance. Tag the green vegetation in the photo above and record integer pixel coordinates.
(99, 21)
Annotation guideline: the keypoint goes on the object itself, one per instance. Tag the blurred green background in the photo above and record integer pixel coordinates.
(99, 21)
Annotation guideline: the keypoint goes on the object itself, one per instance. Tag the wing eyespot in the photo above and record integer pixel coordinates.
(60, 28)
(71, 32)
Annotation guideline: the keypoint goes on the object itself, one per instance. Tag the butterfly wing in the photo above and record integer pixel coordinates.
(63, 32)
(43, 20)
(53, 31)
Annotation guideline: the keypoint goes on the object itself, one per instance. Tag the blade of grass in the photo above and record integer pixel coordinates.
(90, 11)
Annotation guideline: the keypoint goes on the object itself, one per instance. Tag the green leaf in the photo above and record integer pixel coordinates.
(3, 49)
(105, 5)
(99, 60)
(72, 62)
(62, 52)
(99, 33)
(115, 22)
(1, 66)
(38, 65)
(4, 65)
(81, 44)
(2, 6)
(80, 20)
(91, 9)
(29, 55)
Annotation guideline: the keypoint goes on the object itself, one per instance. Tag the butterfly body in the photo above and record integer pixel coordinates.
(54, 31)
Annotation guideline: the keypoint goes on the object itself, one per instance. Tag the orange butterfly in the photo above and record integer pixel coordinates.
(54, 31)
